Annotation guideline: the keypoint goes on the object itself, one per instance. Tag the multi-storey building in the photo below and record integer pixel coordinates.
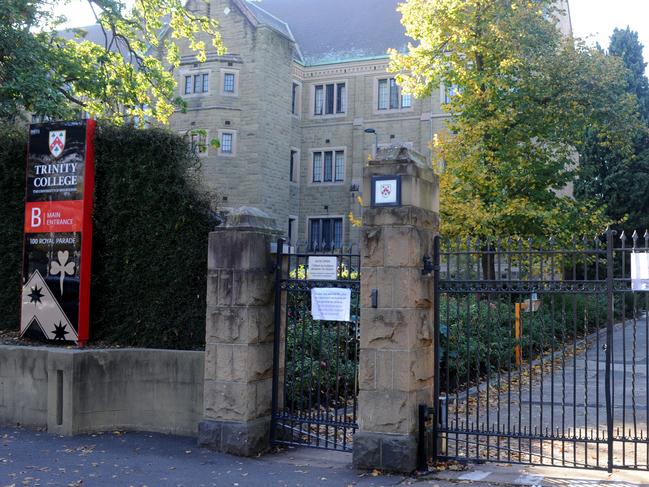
(299, 103)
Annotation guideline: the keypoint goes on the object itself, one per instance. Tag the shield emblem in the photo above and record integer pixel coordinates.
(386, 190)
(57, 142)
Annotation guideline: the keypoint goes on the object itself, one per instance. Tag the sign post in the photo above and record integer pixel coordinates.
(58, 232)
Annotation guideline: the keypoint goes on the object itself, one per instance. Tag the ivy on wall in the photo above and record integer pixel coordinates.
(150, 238)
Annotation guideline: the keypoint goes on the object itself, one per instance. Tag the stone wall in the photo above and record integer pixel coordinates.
(72, 391)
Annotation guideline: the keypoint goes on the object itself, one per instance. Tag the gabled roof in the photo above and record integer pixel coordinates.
(328, 31)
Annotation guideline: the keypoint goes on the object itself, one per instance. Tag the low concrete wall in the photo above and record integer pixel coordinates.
(79, 391)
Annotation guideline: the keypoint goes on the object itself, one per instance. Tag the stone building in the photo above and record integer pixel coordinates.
(292, 103)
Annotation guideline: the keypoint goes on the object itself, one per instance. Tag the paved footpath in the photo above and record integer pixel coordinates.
(31, 458)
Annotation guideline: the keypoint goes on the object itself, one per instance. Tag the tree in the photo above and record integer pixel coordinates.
(126, 77)
(526, 96)
(625, 44)
(619, 179)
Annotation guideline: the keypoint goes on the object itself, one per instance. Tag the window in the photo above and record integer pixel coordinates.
(40, 118)
(390, 96)
(325, 233)
(292, 234)
(228, 142)
(450, 92)
(330, 99)
(318, 100)
(295, 92)
(229, 82)
(198, 141)
(197, 83)
(328, 166)
(294, 164)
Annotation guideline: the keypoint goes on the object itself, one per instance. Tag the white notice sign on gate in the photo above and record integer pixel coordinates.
(330, 303)
(640, 271)
(322, 268)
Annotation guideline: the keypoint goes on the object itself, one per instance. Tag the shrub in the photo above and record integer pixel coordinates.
(12, 188)
(150, 238)
(321, 356)
(478, 338)
(150, 245)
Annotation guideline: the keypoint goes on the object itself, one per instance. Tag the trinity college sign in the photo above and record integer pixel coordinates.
(58, 231)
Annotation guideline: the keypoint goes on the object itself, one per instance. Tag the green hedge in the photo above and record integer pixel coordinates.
(150, 239)
(12, 193)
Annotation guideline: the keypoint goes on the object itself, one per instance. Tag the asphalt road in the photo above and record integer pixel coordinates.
(29, 458)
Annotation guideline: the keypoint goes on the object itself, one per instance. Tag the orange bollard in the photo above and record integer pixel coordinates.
(518, 329)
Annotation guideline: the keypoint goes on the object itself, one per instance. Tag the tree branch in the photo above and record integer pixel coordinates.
(71, 98)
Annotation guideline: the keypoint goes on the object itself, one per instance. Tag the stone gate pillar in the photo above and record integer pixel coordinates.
(239, 335)
(396, 333)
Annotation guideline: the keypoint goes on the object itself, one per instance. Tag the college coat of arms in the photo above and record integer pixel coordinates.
(386, 190)
(57, 142)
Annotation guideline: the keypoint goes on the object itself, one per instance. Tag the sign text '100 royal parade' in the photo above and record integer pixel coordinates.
(58, 231)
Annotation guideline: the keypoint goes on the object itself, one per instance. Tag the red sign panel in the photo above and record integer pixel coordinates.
(54, 216)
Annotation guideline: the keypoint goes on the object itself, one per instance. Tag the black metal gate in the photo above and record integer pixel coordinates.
(315, 369)
(542, 353)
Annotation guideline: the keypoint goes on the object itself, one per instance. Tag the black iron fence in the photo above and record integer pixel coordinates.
(542, 353)
(315, 376)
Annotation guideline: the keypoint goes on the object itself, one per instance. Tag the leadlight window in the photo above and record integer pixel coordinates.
(227, 145)
(390, 96)
(197, 83)
(330, 99)
(293, 166)
(228, 82)
(294, 98)
(325, 233)
(328, 166)
(198, 141)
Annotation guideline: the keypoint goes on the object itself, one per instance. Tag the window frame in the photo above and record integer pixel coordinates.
(223, 73)
(390, 82)
(294, 171)
(322, 151)
(292, 237)
(188, 136)
(232, 153)
(335, 102)
(182, 86)
(332, 217)
(296, 98)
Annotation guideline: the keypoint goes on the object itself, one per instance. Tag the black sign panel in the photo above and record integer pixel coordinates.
(58, 231)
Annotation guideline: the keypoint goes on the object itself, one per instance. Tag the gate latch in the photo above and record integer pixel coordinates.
(428, 266)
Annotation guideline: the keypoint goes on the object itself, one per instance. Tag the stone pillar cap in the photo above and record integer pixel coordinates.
(247, 217)
(399, 153)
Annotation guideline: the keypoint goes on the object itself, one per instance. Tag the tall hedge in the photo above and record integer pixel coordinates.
(150, 240)
(12, 193)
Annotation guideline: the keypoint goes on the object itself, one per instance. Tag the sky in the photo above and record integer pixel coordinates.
(593, 20)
